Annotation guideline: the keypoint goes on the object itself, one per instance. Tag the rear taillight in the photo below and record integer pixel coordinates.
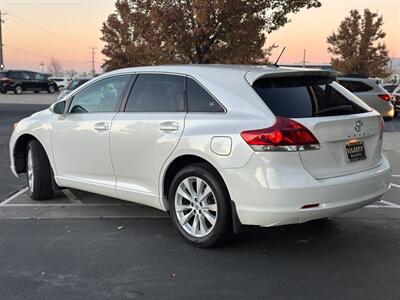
(285, 135)
(385, 97)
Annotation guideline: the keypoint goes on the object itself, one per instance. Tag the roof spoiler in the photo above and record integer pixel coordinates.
(251, 76)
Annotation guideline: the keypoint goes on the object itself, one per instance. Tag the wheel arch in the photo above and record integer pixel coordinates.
(185, 160)
(19, 151)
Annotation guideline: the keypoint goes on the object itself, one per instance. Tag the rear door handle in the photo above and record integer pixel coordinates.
(169, 127)
(102, 126)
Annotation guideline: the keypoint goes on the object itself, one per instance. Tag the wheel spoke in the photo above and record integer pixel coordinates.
(209, 217)
(186, 218)
(195, 224)
(212, 207)
(188, 187)
(182, 207)
(203, 226)
(199, 186)
(204, 195)
(183, 193)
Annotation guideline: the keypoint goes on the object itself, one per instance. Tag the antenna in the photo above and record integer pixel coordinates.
(279, 57)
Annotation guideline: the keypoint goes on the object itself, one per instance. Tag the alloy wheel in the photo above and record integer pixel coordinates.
(196, 207)
(30, 170)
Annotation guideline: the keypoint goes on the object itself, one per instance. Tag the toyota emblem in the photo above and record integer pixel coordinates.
(359, 125)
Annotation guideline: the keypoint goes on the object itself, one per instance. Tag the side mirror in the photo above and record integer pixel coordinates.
(59, 107)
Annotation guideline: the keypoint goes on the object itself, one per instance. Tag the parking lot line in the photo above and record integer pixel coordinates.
(395, 175)
(71, 197)
(390, 204)
(13, 196)
(395, 185)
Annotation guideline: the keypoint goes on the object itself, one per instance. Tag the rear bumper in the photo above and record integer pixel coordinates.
(268, 196)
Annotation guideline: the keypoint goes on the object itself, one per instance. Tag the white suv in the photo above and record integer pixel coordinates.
(369, 90)
(216, 146)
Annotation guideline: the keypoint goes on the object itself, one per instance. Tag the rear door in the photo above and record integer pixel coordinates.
(145, 134)
(348, 132)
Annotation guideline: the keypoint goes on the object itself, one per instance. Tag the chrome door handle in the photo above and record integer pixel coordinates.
(102, 126)
(169, 127)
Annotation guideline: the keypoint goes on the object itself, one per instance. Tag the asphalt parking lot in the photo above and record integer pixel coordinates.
(84, 246)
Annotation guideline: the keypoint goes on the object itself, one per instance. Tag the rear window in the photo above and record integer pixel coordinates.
(304, 97)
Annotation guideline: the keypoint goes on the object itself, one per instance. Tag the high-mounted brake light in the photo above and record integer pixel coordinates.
(385, 97)
(285, 135)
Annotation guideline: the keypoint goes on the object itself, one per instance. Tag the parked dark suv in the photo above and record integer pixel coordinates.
(20, 81)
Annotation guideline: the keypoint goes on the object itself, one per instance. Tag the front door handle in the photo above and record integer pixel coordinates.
(102, 126)
(169, 127)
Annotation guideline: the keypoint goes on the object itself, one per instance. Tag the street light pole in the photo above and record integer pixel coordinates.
(1, 42)
(93, 53)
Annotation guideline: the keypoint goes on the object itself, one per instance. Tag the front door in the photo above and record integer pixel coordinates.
(80, 138)
(145, 134)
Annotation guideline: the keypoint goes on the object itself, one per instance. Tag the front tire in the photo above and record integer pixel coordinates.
(51, 89)
(38, 170)
(200, 206)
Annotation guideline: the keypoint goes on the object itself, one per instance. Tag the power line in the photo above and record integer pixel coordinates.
(47, 31)
(16, 45)
(47, 57)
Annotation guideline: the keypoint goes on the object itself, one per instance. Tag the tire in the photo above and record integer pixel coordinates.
(36, 92)
(51, 89)
(18, 90)
(3, 91)
(201, 233)
(38, 171)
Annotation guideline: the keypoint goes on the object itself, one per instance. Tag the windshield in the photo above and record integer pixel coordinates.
(306, 97)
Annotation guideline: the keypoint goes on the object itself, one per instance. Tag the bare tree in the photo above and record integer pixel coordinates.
(55, 67)
(71, 73)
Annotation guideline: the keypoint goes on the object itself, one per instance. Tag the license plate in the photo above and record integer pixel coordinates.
(355, 151)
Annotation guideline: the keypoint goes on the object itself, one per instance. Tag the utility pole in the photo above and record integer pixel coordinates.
(93, 53)
(1, 41)
(304, 58)
(42, 66)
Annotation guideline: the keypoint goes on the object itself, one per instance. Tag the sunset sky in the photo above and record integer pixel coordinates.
(37, 30)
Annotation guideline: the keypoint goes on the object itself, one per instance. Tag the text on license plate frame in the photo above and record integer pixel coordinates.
(355, 151)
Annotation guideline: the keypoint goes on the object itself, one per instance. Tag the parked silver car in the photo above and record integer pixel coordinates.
(369, 90)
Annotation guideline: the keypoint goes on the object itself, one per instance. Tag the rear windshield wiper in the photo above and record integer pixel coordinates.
(338, 109)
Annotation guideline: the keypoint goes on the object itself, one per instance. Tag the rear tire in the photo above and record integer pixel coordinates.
(39, 173)
(3, 91)
(36, 92)
(209, 203)
(18, 90)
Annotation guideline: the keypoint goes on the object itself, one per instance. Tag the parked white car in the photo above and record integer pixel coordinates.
(62, 82)
(371, 92)
(216, 146)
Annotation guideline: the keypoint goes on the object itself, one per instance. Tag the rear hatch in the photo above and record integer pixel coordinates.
(349, 132)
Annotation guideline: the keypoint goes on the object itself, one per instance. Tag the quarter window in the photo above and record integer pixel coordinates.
(157, 93)
(102, 96)
(199, 100)
(355, 86)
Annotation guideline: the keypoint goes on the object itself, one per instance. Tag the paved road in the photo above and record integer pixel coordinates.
(83, 246)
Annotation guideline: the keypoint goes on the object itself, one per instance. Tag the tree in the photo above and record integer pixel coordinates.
(193, 31)
(358, 45)
(55, 68)
(71, 73)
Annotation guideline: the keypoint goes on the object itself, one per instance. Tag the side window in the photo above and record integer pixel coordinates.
(102, 96)
(157, 93)
(355, 86)
(39, 76)
(199, 100)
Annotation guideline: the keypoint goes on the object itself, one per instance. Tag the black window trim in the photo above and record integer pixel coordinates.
(117, 107)
(203, 87)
